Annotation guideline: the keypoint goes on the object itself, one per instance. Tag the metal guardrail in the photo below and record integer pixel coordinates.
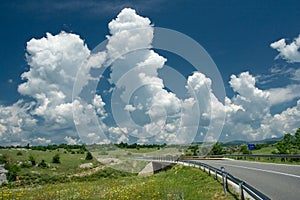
(257, 155)
(254, 193)
(244, 187)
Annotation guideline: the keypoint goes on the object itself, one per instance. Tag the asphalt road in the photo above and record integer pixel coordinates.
(277, 181)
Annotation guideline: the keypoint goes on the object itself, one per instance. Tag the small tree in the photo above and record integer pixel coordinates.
(244, 150)
(297, 139)
(89, 156)
(217, 149)
(56, 159)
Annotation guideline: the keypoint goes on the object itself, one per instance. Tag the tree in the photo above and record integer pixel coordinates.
(89, 156)
(285, 146)
(217, 149)
(281, 147)
(56, 159)
(194, 149)
(244, 150)
(297, 139)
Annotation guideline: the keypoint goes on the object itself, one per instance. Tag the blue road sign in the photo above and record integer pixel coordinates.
(251, 146)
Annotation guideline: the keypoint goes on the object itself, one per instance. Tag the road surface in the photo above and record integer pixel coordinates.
(277, 181)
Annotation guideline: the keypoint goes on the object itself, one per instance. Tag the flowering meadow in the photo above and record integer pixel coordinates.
(177, 183)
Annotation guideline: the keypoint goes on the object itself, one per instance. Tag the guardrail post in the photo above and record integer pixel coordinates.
(223, 180)
(216, 175)
(226, 182)
(242, 191)
(208, 171)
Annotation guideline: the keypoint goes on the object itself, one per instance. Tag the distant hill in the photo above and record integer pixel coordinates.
(267, 140)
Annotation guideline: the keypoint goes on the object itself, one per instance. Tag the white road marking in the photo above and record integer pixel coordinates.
(263, 170)
(265, 163)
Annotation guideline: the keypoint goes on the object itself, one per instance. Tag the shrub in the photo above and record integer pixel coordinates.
(12, 172)
(89, 156)
(3, 159)
(56, 159)
(32, 160)
(43, 164)
(26, 164)
(19, 153)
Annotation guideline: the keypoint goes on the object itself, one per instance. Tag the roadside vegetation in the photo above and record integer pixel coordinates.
(55, 172)
(74, 171)
(289, 144)
(177, 183)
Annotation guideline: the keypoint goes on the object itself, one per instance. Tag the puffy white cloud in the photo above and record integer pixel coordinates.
(71, 141)
(289, 52)
(284, 94)
(54, 61)
(286, 121)
(244, 85)
(118, 135)
(248, 111)
(99, 106)
(15, 120)
(41, 141)
(129, 32)
(156, 114)
(129, 108)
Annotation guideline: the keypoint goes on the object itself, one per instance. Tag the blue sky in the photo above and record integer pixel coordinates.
(236, 34)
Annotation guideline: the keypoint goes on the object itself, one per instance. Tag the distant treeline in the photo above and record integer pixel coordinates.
(49, 147)
(136, 146)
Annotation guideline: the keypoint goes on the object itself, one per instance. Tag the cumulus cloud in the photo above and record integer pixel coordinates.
(49, 83)
(41, 141)
(16, 120)
(141, 109)
(51, 76)
(248, 111)
(289, 52)
(71, 141)
(284, 94)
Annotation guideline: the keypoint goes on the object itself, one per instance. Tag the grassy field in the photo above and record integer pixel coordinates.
(268, 150)
(69, 161)
(67, 181)
(265, 150)
(177, 183)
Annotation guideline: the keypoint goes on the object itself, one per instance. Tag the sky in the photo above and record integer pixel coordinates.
(57, 88)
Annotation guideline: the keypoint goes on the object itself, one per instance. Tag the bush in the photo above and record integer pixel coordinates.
(56, 159)
(32, 160)
(26, 164)
(19, 153)
(89, 156)
(3, 159)
(12, 172)
(43, 164)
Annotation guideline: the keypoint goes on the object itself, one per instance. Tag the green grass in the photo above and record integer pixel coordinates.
(178, 183)
(69, 162)
(265, 150)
